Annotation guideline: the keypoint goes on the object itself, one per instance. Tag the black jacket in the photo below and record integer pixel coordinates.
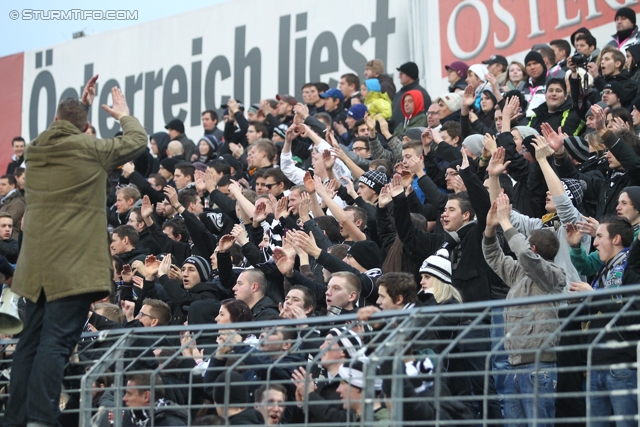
(9, 249)
(247, 417)
(265, 309)
(132, 255)
(369, 289)
(630, 87)
(564, 116)
(471, 279)
(168, 415)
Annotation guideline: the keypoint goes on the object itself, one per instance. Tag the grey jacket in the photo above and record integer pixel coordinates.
(567, 214)
(526, 327)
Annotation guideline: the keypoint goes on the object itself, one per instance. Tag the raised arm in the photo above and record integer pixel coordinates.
(339, 214)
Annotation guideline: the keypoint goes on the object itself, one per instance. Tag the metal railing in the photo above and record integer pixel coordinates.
(450, 336)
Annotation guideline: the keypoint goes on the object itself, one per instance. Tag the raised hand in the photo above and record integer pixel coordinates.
(127, 273)
(574, 236)
(226, 242)
(292, 133)
(210, 180)
(497, 165)
(458, 184)
(282, 208)
(427, 139)
(234, 188)
(321, 190)
(146, 209)
(260, 214)
(127, 169)
(489, 144)
(384, 125)
(240, 234)
(306, 242)
(371, 121)
(304, 385)
(465, 160)
(151, 265)
(309, 185)
(588, 226)
(504, 208)
(469, 97)
(415, 165)
(165, 266)
(138, 282)
(172, 195)
(127, 309)
(120, 107)
(542, 148)
(200, 182)
(349, 186)
(175, 272)
(305, 207)
(89, 93)
(580, 287)
(601, 118)
(510, 109)
(555, 139)
(492, 216)
(396, 185)
(283, 261)
(328, 159)
(385, 196)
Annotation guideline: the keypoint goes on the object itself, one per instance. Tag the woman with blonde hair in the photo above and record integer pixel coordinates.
(436, 279)
(516, 76)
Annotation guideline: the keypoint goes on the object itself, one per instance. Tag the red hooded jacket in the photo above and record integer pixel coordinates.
(418, 103)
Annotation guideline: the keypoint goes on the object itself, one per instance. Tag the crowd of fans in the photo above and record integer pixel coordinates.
(522, 180)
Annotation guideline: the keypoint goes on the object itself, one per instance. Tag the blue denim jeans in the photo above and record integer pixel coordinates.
(51, 331)
(602, 406)
(499, 362)
(522, 382)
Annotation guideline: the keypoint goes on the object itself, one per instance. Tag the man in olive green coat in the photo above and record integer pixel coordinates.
(64, 264)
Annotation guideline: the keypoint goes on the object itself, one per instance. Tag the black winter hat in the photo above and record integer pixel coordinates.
(375, 179)
(634, 194)
(574, 190)
(410, 69)
(348, 341)
(636, 103)
(170, 164)
(626, 12)
(175, 124)
(238, 394)
(201, 264)
(616, 88)
(577, 148)
(534, 56)
(526, 142)
(367, 253)
(582, 30)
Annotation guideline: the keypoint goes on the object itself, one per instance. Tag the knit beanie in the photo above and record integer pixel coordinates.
(357, 111)
(479, 70)
(616, 88)
(628, 13)
(634, 194)
(201, 265)
(375, 179)
(281, 130)
(474, 144)
(453, 101)
(526, 131)
(534, 56)
(348, 341)
(366, 253)
(415, 134)
(528, 144)
(170, 164)
(237, 393)
(574, 190)
(602, 105)
(438, 266)
(354, 374)
(211, 140)
(577, 148)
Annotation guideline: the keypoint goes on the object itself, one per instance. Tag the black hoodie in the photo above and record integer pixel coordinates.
(162, 140)
(247, 417)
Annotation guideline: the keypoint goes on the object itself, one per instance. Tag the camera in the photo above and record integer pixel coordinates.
(580, 60)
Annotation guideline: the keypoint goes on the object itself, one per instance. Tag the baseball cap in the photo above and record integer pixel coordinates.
(333, 93)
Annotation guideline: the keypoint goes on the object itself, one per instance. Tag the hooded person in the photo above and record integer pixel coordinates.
(634, 68)
(376, 101)
(160, 140)
(412, 105)
(473, 145)
(536, 85)
(476, 78)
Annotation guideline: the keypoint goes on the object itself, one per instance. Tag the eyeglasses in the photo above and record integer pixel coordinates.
(433, 113)
(359, 148)
(451, 174)
(606, 92)
(269, 186)
(142, 314)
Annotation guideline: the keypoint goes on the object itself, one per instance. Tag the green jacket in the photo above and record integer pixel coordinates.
(65, 247)
(588, 265)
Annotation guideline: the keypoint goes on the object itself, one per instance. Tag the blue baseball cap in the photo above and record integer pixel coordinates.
(357, 111)
(333, 93)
